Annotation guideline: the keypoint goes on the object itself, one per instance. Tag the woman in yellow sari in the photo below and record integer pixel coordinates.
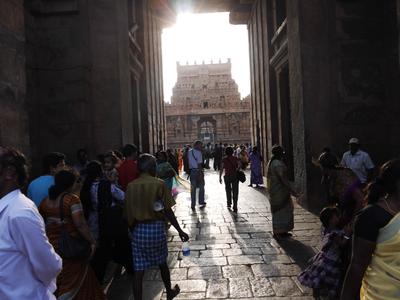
(374, 271)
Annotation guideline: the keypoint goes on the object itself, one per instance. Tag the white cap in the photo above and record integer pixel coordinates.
(354, 141)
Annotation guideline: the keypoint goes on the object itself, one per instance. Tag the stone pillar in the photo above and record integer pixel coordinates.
(310, 49)
(110, 87)
(398, 25)
(14, 128)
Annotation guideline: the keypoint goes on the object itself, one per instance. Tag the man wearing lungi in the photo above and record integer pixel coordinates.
(148, 205)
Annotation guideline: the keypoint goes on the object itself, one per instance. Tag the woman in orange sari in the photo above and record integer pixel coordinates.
(180, 159)
(76, 280)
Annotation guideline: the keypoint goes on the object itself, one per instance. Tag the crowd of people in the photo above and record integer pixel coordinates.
(57, 241)
(361, 240)
(229, 160)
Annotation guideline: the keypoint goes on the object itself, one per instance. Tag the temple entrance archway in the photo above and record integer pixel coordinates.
(206, 130)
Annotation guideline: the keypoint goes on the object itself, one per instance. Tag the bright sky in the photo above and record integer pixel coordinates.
(198, 37)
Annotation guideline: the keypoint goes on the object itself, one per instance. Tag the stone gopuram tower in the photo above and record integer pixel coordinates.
(206, 105)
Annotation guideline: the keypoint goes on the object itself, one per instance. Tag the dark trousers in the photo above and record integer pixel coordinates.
(232, 190)
(197, 182)
(217, 164)
(114, 245)
(118, 250)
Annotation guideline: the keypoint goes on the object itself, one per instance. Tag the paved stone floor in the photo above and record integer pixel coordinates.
(232, 256)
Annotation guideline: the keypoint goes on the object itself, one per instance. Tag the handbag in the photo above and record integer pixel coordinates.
(69, 246)
(241, 176)
(239, 173)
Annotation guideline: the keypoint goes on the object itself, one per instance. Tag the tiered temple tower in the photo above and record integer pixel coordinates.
(206, 105)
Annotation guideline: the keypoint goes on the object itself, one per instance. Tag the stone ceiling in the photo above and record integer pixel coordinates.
(168, 9)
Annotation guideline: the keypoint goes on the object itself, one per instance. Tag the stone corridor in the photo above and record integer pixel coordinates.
(232, 256)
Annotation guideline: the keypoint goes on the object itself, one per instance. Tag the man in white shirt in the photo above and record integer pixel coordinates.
(195, 160)
(359, 161)
(28, 264)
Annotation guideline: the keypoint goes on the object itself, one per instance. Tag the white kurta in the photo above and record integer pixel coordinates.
(28, 263)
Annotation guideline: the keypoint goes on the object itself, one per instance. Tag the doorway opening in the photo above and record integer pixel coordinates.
(206, 132)
(206, 71)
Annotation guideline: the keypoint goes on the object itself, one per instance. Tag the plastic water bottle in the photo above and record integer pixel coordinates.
(185, 249)
(158, 206)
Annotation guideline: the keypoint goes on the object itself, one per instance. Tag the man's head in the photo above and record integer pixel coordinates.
(162, 156)
(82, 156)
(277, 151)
(13, 170)
(147, 164)
(198, 145)
(130, 151)
(160, 147)
(229, 151)
(354, 145)
(53, 162)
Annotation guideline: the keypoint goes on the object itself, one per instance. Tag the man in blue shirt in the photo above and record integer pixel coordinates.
(38, 189)
(196, 164)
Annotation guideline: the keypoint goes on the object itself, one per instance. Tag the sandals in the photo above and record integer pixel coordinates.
(174, 292)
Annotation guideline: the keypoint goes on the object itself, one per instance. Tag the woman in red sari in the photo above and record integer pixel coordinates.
(76, 280)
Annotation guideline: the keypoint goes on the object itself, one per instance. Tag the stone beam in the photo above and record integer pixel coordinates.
(239, 17)
(167, 10)
(52, 7)
(204, 6)
(398, 25)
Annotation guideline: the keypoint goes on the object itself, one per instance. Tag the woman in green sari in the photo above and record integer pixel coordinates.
(280, 192)
(165, 171)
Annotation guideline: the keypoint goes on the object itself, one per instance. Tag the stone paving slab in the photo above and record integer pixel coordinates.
(233, 256)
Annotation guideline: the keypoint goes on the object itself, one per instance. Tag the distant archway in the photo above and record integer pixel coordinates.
(207, 130)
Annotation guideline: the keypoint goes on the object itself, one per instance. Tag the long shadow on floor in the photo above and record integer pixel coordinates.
(296, 250)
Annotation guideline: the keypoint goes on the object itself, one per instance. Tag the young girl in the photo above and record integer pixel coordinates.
(325, 272)
(110, 171)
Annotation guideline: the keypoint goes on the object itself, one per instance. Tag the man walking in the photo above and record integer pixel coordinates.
(28, 264)
(218, 154)
(359, 161)
(148, 205)
(186, 160)
(195, 159)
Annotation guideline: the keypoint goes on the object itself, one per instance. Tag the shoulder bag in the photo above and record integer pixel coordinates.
(239, 173)
(71, 247)
(200, 178)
